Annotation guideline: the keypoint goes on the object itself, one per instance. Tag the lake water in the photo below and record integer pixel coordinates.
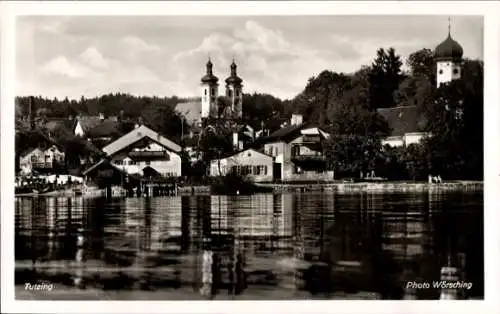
(268, 246)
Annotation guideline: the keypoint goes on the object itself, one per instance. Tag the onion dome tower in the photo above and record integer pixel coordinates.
(209, 91)
(234, 91)
(448, 57)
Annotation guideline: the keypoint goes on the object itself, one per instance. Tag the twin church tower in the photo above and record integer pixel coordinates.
(210, 93)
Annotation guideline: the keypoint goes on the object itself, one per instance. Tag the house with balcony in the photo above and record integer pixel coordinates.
(297, 152)
(43, 158)
(142, 152)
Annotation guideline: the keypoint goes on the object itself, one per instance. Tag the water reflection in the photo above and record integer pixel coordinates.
(293, 245)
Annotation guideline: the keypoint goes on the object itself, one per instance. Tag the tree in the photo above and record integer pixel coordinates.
(385, 76)
(350, 154)
(455, 121)
(422, 64)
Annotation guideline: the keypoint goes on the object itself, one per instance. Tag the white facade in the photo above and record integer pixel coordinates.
(251, 163)
(209, 94)
(404, 140)
(154, 151)
(79, 129)
(234, 94)
(40, 158)
(447, 71)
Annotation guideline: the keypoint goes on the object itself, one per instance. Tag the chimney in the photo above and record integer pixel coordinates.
(101, 116)
(296, 119)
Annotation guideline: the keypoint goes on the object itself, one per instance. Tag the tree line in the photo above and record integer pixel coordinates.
(345, 105)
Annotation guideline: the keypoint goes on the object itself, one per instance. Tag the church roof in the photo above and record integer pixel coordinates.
(403, 119)
(209, 78)
(233, 79)
(449, 49)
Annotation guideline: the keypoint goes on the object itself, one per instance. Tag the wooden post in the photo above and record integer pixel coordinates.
(78, 280)
(207, 274)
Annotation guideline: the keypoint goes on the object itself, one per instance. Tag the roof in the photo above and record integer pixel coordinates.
(449, 49)
(209, 77)
(56, 124)
(190, 110)
(90, 122)
(233, 154)
(285, 134)
(36, 137)
(98, 164)
(233, 79)
(403, 119)
(106, 128)
(136, 135)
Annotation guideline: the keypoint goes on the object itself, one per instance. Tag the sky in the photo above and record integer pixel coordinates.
(71, 56)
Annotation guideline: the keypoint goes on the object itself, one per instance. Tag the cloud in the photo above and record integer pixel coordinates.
(60, 65)
(94, 58)
(263, 55)
(139, 44)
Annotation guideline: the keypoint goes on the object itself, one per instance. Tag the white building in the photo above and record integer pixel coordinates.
(40, 158)
(145, 152)
(251, 163)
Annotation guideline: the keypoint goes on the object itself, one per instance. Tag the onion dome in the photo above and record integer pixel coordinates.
(233, 79)
(449, 49)
(209, 77)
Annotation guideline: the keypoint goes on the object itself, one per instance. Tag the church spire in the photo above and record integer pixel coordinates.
(449, 26)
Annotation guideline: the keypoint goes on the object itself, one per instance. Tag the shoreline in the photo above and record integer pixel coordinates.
(336, 187)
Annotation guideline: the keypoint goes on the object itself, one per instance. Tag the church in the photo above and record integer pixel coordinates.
(406, 123)
(212, 105)
(208, 105)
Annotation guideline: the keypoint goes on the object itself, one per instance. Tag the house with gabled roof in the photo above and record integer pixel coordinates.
(145, 152)
(249, 163)
(406, 124)
(297, 152)
(42, 154)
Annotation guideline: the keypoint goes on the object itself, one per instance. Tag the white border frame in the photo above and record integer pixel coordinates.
(488, 9)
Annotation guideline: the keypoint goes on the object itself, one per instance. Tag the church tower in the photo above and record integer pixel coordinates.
(209, 92)
(234, 92)
(448, 57)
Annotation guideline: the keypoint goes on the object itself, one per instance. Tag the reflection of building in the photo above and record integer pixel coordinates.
(250, 163)
(297, 152)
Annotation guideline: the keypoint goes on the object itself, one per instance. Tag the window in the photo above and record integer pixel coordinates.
(441, 71)
(229, 93)
(213, 91)
(47, 158)
(119, 162)
(205, 92)
(259, 170)
(148, 163)
(132, 162)
(34, 158)
(455, 71)
(237, 93)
